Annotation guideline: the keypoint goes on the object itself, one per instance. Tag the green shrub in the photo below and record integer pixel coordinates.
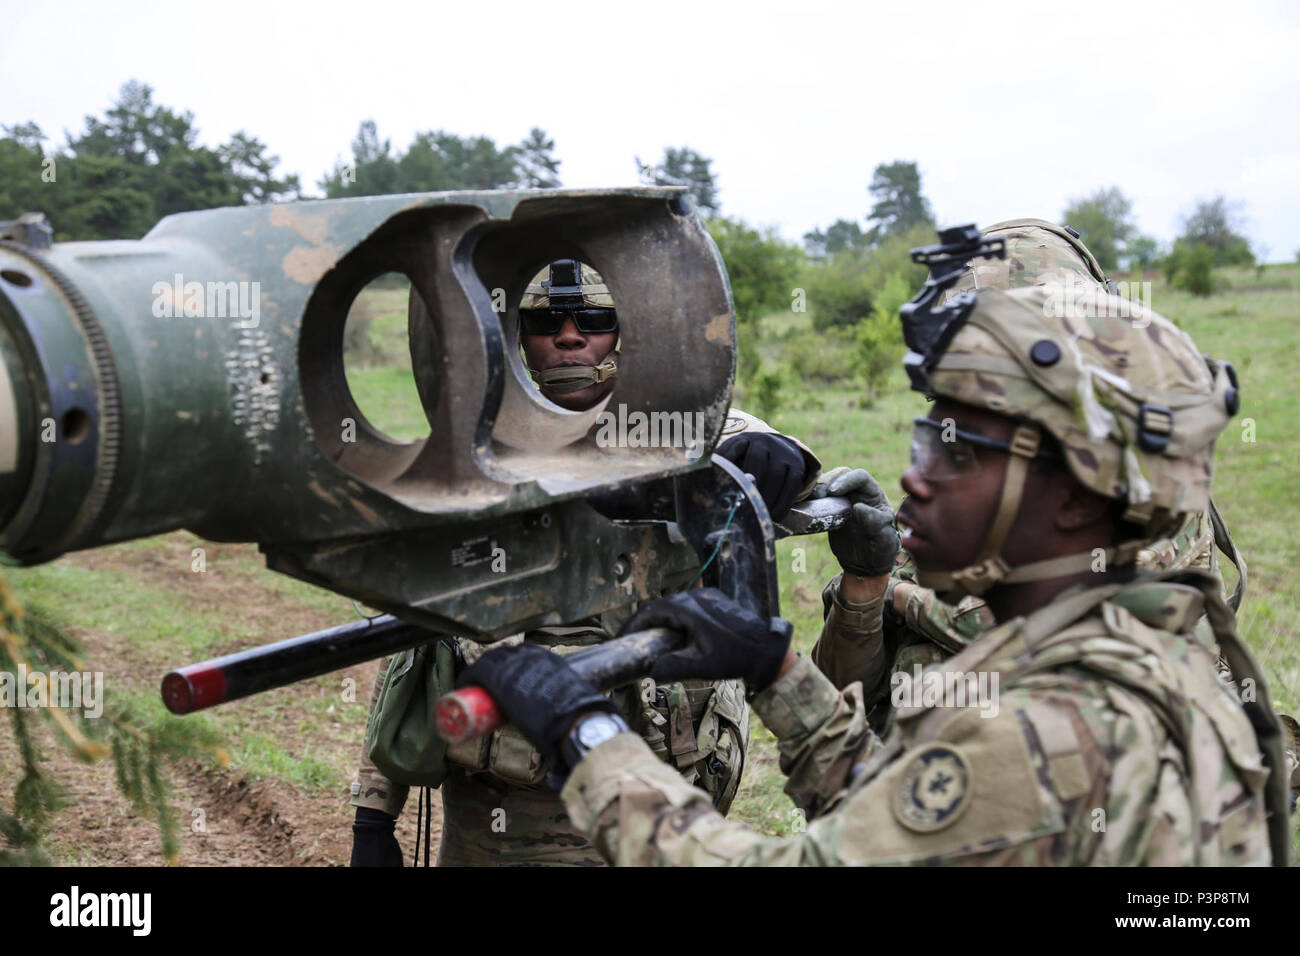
(1196, 270)
(359, 348)
(880, 336)
(826, 357)
(839, 292)
(761, 267)
(843, 291)
(748, 361)
(1171, 263)
(1190, 267)
(769, 382)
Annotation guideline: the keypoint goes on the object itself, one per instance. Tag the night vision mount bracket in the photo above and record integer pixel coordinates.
(928, 328)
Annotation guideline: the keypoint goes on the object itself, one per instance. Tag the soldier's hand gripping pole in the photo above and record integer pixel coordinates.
(471, 712)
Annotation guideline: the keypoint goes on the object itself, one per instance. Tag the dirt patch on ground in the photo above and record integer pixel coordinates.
(223, 818)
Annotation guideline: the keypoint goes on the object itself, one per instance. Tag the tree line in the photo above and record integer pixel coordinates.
(1103, 218)
(129, 168)
(140, 161)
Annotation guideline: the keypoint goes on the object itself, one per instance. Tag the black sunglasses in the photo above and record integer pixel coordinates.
(550, 321)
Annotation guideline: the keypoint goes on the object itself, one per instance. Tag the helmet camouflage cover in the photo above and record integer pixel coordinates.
(1134, 405)
(594, 292)
(1038, 252)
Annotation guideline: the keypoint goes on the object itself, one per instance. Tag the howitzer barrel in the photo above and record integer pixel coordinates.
(237, 675)
(471, 712)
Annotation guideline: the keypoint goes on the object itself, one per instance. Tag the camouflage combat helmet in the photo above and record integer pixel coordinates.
(1038, 252)
(554, 288)
(1134, 405)
(591, 293)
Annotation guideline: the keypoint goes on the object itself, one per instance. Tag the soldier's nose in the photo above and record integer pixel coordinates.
(569, 337)
(915, 485)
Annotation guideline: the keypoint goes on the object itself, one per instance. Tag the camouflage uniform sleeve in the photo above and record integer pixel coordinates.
(637, 811)
(739, 422)
(822, 732)
(950, 627)
(370, 788)
(863, 642)
(1013, 789)
(851, 646)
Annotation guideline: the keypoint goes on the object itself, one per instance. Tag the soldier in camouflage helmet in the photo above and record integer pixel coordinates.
(569, 335)
(1071, 437)
(918, 629)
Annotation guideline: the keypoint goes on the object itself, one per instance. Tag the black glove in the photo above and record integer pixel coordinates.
(374, 841)
(725, 640)
(867, 543)
(539, 692)
(776, 463)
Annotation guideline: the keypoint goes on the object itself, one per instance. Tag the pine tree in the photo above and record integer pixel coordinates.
(32, 643)
(535, 162)
(685, 167)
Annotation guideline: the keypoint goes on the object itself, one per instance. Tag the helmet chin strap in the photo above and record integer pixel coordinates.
(990, 568)
(574, 378)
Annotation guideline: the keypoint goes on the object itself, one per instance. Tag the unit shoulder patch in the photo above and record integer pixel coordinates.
(934, 789)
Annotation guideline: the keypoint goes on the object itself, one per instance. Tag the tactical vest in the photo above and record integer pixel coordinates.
(700, 727)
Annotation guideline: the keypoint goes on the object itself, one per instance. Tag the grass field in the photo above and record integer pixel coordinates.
(139, 601)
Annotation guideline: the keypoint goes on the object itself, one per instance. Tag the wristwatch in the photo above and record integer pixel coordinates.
(590, 733)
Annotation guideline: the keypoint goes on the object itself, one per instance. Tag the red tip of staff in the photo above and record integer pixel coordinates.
(467, 713)
(193, 688)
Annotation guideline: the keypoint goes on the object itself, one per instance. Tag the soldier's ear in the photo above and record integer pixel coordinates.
(1082, 508)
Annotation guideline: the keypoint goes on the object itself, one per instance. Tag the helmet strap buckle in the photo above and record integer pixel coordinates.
(1155, 427)
(978, 578)
(1025, 442)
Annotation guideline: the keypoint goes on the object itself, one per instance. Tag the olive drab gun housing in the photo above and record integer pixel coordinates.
(136, 398)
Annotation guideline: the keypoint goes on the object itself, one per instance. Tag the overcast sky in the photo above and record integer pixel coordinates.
(1011, 109)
